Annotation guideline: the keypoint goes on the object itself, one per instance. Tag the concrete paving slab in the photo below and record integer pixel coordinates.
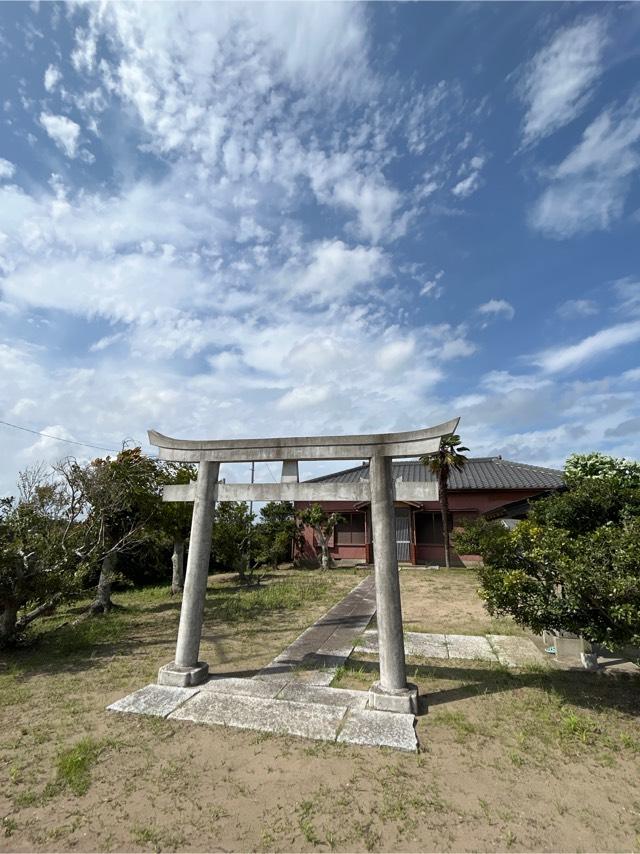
(380, 729)
(325, 696)
(320, 678)
(425, 645)
(470, 646)
(284, 717)
(244, 687)
(157, 700)
(513, 651)
(415, 643)
(368, 642)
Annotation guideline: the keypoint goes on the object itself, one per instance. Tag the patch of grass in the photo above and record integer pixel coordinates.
(147, 835)
(305, 811)
(75, 763)
(239, 604)
(462, 727)
(9, 825)
(578, 727)
(12, 692)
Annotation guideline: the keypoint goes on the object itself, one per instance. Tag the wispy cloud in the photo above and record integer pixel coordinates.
(571, 357)
(497, 308)
(472, 180)
(589, 187)
(558, 82)
(432, 287)
(572, 308)
(7, 169)
(63, 131)
(52, 77)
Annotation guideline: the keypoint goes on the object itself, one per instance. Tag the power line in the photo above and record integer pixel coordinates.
(57, 438)
(271, 473)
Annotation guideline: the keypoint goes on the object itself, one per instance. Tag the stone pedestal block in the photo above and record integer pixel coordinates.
(403, 700)
(183, 677)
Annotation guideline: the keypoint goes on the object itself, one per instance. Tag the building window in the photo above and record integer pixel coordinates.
(429, 529)
(351, 531)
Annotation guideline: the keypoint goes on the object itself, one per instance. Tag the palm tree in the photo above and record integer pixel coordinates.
(448, 456)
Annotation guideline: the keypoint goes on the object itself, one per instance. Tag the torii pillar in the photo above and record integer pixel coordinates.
(392, 692)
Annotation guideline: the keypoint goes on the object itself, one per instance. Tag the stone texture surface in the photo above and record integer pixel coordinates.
(426, 645)
(379, 729)
(470, 646)
(284, 717)
(402, 700)
(513, 651)
(183, 677)
(158, 700)
(266, 689)
(326, 696)
(329, 642)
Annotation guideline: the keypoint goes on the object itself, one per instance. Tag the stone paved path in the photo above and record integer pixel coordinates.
(510, 650)
(316, 655)
(290, 696)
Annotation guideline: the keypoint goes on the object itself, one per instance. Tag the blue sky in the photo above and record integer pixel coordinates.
(273, 219)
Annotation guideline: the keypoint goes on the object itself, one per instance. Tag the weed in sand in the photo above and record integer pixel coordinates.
(578, 727)
(75, 763)
(305, 811)
(462, 727)
(9, 825)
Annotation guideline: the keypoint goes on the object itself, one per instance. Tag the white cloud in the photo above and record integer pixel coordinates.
(472, 181)
(394, 355)
(63, 131)
(627, 291)
(497, 308)
(52, 77)
(577, 308)
(432, 288)
(589, 187)
(559, 81)
(105, 342)
(573, 356)
(335, 270)
(302, 397)
(503, 381)
(7, 169)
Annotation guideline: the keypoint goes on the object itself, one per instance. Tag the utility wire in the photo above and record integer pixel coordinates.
(57, 438)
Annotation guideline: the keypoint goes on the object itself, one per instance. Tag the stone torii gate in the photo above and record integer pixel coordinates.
(392, 692)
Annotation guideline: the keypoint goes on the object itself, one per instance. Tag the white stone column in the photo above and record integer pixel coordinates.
(187, 670)
(391, 693)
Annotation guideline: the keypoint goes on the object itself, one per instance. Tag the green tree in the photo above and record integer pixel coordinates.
(42, 547)
(233, 531)
(597, 466)
(572, 566)
(175, 520)
(275, 532)
(123, 495)
(323, 524)
(440, 463)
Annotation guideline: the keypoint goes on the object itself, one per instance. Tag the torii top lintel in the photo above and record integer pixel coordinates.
(410, 444)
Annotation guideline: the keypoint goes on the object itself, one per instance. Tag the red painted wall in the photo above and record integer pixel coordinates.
(462, 504)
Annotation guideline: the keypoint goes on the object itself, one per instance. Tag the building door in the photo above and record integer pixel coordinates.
(403, 533)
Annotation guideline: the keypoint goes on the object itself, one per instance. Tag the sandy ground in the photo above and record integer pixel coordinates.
(509, 761)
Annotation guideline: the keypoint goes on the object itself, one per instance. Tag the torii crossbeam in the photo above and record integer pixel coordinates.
(392, 692)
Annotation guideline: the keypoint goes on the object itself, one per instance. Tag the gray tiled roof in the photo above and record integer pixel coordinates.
(478, 473)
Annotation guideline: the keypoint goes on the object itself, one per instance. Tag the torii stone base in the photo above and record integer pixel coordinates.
(292, 695)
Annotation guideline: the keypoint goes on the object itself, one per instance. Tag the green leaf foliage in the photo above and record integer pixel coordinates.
(574, 565)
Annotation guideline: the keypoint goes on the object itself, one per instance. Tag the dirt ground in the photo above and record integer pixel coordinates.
(528, 760)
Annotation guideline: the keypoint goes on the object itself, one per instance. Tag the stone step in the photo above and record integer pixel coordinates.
(157, 700)
(379, 729)
(284, 717)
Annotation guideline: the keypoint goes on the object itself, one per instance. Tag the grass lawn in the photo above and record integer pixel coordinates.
(510, 761)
